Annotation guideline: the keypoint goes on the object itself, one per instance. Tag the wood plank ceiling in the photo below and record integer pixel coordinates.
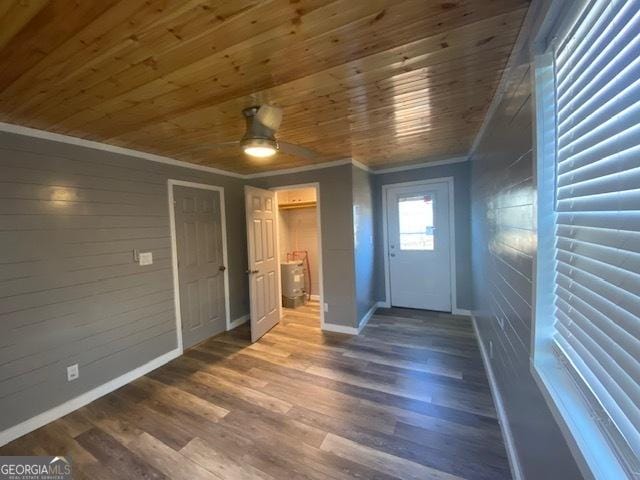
(380, 81)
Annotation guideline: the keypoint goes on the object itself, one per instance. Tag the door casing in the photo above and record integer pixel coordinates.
(452, 236)
(174, 252)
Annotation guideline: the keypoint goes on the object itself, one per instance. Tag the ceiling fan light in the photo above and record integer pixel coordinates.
(259, 147)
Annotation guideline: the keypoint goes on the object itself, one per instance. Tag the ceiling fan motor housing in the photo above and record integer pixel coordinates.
(257, 133)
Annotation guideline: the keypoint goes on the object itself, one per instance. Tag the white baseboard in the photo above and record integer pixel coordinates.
(364, 320)
(332, 327)
(461, 311)
(238, 321)
(315, 298)
(55, 413)
(512, 453)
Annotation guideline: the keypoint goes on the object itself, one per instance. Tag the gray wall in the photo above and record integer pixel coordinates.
(336, 200)
(504, 246)
(461, 188)
(363, 239)
(70, 292)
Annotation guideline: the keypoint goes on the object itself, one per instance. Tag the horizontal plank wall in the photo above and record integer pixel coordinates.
(364, 248)
(503, 249)
(70, 291)
(462, 215)
(336, 203)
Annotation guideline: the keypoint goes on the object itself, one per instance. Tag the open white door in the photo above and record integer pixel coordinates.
(263, 270)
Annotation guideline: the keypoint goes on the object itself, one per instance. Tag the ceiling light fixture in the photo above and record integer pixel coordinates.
(259, 147)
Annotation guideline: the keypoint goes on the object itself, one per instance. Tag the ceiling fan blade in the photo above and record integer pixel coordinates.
(269, 116)
(208, 146)
(298, 150)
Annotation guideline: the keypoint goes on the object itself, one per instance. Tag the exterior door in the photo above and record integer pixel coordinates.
(200, 263)
(419, 246)
(263, 269)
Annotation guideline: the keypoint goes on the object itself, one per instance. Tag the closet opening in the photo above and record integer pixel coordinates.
(300, 255)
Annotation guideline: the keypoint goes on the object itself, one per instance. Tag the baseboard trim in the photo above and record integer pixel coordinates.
(462, 312)
(238, 321)
(55, 413)
(512, 453)
(332, 327)
(364, 320)
(315, 298)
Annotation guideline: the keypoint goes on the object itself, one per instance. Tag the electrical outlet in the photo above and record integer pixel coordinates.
(326, 307)
(490, 349)
(72, 372)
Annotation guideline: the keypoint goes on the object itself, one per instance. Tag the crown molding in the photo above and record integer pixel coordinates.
(415, 166)
(58, 137)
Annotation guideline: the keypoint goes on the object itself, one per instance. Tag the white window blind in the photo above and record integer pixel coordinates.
(596, 332)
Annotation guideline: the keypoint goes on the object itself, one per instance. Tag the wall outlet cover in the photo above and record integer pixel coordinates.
(326, 307)
(145, 258)
(72, 372)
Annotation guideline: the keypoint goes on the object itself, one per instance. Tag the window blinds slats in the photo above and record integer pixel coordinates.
(614, 97)
(613, 201)
(629, 241)
(604, 184)
(619, 114)
(572, 171)
(607, 392)
(622, 333)
(609, 357)
(578, 84)
(607, 136)
(617, 142)
(597, 203)
(605, 295)
(626, 282)
(572, 51)
(618, 257)
(629, 220)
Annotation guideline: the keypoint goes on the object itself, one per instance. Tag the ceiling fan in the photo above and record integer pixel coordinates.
(259, 139)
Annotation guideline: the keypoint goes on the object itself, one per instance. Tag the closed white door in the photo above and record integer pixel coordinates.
(263, 271)
(419, 246)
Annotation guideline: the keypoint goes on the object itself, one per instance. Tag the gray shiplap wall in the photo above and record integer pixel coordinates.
(462, 214)
(363, 239)
(70, 292)
(503, 249)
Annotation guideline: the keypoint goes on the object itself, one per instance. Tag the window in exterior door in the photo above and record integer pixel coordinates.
(415, 215)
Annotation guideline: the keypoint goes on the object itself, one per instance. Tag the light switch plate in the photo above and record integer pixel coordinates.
(326, 307)
(145, 258)
(72, 372)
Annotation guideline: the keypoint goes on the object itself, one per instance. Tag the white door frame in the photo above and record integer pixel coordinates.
(315, 185)
(452, 236)
(174, 252)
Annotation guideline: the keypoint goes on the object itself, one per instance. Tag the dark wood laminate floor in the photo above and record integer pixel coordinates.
(408, 399)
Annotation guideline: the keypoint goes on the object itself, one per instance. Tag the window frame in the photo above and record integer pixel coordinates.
(573, 413)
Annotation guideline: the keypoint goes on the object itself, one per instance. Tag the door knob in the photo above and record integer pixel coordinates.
(222, 268)
(392, 254)
(249, 272)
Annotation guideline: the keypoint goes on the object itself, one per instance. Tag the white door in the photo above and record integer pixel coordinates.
(419, 246)
(263, 270)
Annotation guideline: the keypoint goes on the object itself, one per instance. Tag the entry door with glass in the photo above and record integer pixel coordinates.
(419, 246)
